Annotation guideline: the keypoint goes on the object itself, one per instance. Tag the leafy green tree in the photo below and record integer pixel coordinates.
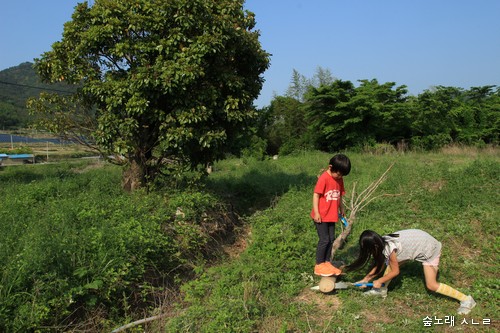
(432, 125)
(170, 83)
(298, 86)
(328, 114)
(285, 125)
(344, 116)
(379, 112)
(322, 77)
(491, 130)
(479, 119)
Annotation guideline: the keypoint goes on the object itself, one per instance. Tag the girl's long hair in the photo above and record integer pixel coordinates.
(371, 245)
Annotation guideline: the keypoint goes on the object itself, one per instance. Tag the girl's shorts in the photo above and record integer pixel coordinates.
(433, 262)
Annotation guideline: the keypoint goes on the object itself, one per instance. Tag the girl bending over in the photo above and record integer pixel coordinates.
(394, 249)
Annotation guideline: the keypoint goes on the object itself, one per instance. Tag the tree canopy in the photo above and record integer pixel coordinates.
(162, 84)
(337, 114)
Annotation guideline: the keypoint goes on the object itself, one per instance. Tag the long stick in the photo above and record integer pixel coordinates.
(138, 322)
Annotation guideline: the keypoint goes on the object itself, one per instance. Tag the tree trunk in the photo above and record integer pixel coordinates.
(133, 176)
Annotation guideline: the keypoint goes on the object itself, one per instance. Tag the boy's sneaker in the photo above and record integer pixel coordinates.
(381, 292)
(324, 269)
(466, 305)
(320, 269)
(334, 269)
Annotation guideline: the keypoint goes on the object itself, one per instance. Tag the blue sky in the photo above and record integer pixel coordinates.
(417, 43)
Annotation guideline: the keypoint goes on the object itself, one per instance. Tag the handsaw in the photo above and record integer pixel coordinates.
(345, 285)
(328, 284)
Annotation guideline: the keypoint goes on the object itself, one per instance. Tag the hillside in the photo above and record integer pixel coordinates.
(17, 84)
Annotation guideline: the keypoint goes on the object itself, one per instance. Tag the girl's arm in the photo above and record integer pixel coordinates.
(394, 265)
(369, 276)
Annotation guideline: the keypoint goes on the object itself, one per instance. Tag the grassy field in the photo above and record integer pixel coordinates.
(452, 194)
(79, 255)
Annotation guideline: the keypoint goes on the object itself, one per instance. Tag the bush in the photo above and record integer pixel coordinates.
(74, 242)
(256, 149)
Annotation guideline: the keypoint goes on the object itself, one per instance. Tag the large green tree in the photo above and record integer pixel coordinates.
(343, 116)
(328, 114)
(432, 125)
(479, 119)
(161, 83)
(285, 125)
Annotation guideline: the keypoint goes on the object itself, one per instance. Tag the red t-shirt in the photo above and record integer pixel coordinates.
(330, 191)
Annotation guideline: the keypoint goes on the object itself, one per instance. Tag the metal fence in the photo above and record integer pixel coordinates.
(11, 138)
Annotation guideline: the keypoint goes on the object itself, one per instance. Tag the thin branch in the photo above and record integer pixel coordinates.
(372, 187)
(138, 322)
(359, 202)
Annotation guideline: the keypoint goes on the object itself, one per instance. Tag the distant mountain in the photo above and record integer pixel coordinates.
(17, 84)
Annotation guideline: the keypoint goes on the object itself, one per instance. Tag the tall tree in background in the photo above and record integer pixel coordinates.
(328, 114)
(478, 120)
(285, 126)
(162, 83)
(379, 110)
(432, 125)
(284, 123)
(298, 86)
(344, 116)
(322, 77)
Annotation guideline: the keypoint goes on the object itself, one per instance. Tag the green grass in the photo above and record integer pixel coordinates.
(452, 196)
(74, 247)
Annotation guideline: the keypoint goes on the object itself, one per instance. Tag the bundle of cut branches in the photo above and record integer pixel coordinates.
(356, 204)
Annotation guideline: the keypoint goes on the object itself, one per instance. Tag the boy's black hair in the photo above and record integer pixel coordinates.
(340, 163)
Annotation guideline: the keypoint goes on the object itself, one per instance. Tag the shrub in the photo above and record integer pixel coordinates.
(73, 243)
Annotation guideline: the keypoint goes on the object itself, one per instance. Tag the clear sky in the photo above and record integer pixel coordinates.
(417, 43)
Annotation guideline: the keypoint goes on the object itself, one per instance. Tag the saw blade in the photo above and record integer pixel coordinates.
(341, 285)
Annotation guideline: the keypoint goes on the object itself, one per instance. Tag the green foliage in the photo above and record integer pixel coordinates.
(339, 115)
(282, 123)
(453, 196)
(169, 82)
(72, 243)
(256, 148)
(344, 116)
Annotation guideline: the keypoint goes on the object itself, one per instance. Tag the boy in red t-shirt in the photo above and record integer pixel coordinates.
(327, 205)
